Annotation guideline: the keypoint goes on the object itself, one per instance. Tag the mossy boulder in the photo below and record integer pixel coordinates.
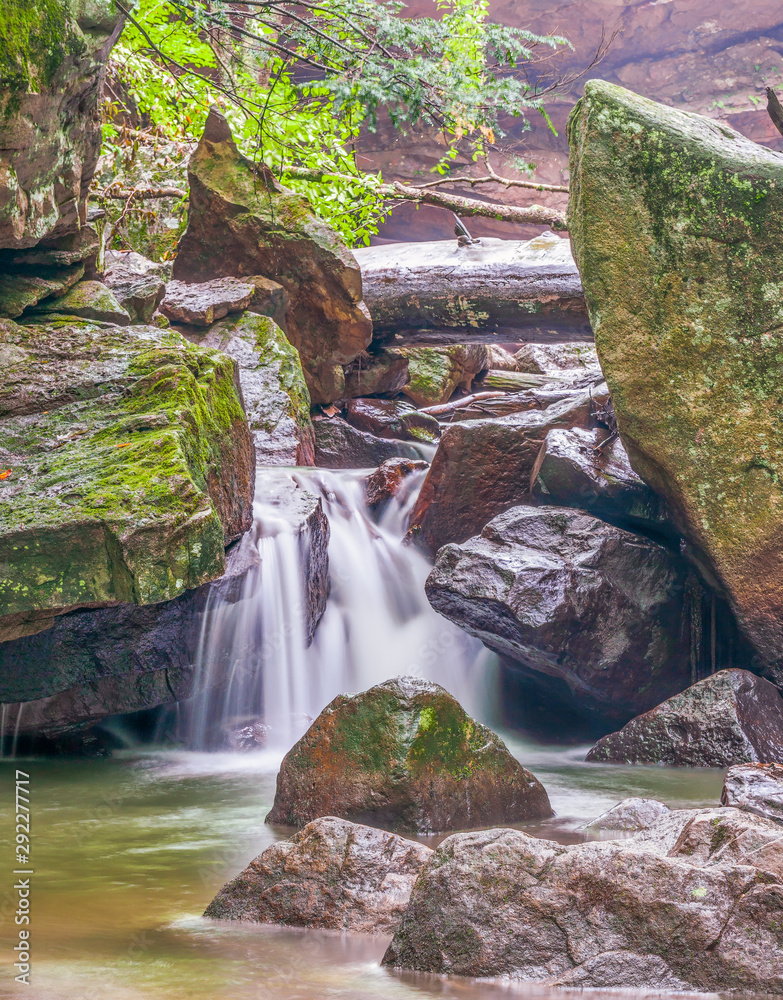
(52, 56)
(435, 373)
(128, 467)
(404, 756)
(273, 387)
(85, 300)
(242, 223)
(676, 224)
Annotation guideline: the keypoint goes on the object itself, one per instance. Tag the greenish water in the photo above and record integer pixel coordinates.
(127, 853)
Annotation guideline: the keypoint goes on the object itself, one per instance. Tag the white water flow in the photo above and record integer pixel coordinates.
(254, 663)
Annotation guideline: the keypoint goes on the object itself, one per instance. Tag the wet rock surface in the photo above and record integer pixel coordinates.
(201, 303)
(564, 594)
(332, 874)
(732, 717)
(339, 445)
(757, 788)
(501, 903)
(487, 288)
(137, 283)
(404, 756)
(587, 469)
(151, 500)
(53, 67)
(388, 479)
(241, 222)
(483, 467)
(435, 373)
(557, 359)
(380, 373)
(85, 300)
(632, 814)
(90, 664)
(274, 392)
(660, 202)
(392, 418)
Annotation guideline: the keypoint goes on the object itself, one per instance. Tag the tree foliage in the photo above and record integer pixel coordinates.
(299, 79)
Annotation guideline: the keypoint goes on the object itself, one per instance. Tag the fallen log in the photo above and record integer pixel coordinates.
(441, 292)
(457, 404)
(514, 381)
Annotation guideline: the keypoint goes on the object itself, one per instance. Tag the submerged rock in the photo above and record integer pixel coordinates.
(483, 467)
(338, 445)
(392, 418)
(404, 755)
(597, 915)
(202, 303)
(332, 874)
(675, 221)
(755, 787)
(732, 717)
(275, 395)
(242, 223)
(111, 494)
(631, 814)
(564, 594)
(137, 283)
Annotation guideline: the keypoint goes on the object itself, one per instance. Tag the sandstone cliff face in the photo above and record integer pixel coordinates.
(52, 59)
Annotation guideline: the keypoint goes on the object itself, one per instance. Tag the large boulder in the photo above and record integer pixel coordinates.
(405, 756)
(202, 303)
(442, 289)
(52, 62)
(242, 223)
(129, 468)
(275, 395)
(732, 717)
(755, 787)
(483, 467)
(563, 594)
(94, 663)
(600, 915)
(85, 300)
(675, 221)
(331, 874)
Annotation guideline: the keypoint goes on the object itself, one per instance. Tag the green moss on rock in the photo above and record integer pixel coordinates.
(675, 221)
(130, 468)
(404, 755)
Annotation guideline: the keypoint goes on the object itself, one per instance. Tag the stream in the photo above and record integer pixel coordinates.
(127, 852)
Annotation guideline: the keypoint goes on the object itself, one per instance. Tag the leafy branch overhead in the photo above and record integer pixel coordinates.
(300, 79)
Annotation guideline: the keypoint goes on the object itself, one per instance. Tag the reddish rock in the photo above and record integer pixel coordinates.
(392, 418)
(387, 480)
(483, 467)
(332, 874)
(242, 223)
(380, 373)
(338, 445)
(732, 717)
(405, 756)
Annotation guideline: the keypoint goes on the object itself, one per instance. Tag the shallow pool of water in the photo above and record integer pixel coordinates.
(127, 852)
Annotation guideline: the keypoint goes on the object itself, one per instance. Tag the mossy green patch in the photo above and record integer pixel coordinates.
(675, 223)
(127, 450)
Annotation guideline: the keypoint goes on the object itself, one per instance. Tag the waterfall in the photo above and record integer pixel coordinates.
(254, 664)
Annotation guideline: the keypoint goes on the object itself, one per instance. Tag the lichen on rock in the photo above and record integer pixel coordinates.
(129, 468)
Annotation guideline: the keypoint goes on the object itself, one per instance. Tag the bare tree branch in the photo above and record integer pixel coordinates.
(775, 109)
